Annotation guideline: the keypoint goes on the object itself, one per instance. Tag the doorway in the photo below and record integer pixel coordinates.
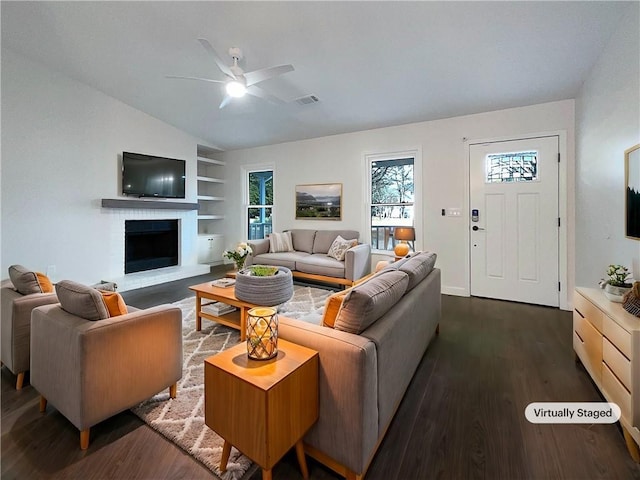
(514, 220)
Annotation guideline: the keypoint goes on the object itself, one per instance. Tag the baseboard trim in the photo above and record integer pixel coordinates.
(457, 291)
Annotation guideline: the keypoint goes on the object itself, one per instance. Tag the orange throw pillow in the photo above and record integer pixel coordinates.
(45, 284)
(114, 303)
(331, 308)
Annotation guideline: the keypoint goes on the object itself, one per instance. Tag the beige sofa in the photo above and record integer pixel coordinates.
(309, 260)
(364, 376)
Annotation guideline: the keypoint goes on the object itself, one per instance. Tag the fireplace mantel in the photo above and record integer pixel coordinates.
(152, 204)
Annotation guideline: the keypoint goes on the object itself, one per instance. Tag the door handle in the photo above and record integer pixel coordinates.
(475, 228)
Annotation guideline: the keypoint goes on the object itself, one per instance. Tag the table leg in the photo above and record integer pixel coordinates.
(226, 451)
(198, 310)
(266, 474)
(302, 460)
(243, 323)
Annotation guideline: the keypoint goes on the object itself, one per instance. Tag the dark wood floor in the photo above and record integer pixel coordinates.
(462, 417)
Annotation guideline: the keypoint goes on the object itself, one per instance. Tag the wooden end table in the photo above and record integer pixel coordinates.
(236, 319)
(262, 407)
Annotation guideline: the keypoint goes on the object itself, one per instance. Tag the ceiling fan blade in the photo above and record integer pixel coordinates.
(225, 101)
(260, 93)
(263, 74)
(195, 78)
(216, 58)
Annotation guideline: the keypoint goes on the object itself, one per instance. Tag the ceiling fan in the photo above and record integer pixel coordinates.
(239, 82)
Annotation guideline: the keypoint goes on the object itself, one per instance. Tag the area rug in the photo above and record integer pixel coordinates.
(181, 420)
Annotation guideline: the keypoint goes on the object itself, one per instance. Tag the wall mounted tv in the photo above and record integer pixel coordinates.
(150, 176)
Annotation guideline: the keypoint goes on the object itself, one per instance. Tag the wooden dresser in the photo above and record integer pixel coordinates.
(606, 339)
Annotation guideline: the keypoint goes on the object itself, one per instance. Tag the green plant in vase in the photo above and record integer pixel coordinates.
(239, 255)
(263, 270)
(616, 286)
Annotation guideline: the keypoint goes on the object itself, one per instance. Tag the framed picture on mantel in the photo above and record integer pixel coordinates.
(320, 201)
(632, 179)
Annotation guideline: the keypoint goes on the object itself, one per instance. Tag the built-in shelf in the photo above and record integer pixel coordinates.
(210, 179)
(210, 217)
(151, 204)
(211, 161)
(211, 197)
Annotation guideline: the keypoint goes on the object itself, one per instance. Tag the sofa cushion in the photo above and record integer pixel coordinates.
(27, 282)
(302, 240)
(370, 300)
(280, 242)
(114, 303)
(339, 247)
(319, 264)
(282, 259)
(332, 308)
(417, 267)
(82, 301)
(324, 239)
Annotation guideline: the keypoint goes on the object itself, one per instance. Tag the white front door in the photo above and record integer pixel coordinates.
(514, 242)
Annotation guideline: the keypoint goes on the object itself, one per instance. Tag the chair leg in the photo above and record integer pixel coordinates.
(173, 390)
(84, 439)
(20, 381)
(43, 404)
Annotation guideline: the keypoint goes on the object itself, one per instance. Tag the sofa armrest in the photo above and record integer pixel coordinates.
(347, 428)
(357, 261)
(16, 325)
(92, 370)
(258, 247)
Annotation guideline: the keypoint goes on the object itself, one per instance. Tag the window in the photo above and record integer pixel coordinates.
(512, 167)
(259, 203)
(392, 199)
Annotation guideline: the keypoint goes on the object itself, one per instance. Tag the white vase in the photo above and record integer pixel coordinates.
(614, 293)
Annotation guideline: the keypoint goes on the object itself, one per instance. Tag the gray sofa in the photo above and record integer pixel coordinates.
(363, 377)
(309, 260)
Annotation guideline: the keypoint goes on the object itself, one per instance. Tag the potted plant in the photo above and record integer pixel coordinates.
(238, 255)
(616, 286)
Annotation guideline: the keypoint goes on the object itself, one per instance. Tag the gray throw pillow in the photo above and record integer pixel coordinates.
(418, 267)
(24, 280)
(370, 300)
(82, 301)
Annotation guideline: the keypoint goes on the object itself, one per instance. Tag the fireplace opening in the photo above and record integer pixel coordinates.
(150, 244)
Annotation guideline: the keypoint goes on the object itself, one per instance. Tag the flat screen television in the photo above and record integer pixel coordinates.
(150, 176)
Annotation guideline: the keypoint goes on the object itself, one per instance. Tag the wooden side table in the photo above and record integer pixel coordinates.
(262, 407)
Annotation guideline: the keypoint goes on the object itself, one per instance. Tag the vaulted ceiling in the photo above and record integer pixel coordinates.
(370, 64)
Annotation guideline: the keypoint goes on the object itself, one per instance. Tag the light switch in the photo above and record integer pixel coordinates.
(454, 212)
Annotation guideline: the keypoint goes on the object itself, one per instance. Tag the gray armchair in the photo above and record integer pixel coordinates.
(15, 311)
(92, 370)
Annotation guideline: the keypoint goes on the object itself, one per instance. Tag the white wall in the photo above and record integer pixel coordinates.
(61, 143)
(339, 158)
(607, 123)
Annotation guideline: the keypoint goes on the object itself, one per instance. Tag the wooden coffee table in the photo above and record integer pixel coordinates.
(262, 407)
(236, 319)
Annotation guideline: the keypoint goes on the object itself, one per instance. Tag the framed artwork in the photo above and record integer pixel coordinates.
(319, 201)
(632, 181)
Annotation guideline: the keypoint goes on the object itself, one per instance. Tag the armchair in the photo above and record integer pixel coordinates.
(15, 311)
(90, 370)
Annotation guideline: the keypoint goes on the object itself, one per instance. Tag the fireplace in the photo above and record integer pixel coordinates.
(150, 244)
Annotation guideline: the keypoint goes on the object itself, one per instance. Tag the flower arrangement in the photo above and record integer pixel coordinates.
(239, 254)
(618, 276)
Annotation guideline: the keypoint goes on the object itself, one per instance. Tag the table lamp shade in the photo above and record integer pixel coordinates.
(403, 234)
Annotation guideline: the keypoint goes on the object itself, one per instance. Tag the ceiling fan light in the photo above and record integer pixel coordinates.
(236, 89)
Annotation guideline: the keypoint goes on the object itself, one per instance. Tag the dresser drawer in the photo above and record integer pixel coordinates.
(588, 310)
(617, 335)
(615, 392)
(617, 363)
(589, 341)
